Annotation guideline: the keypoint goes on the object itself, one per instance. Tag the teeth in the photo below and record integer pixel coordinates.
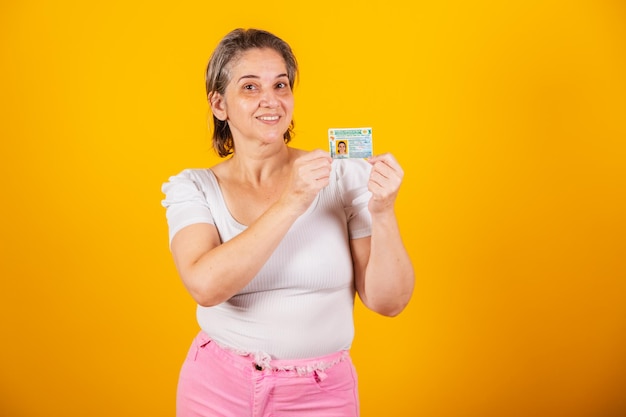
(268, 118)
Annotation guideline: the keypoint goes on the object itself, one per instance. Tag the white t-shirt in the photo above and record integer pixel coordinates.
(301, 302)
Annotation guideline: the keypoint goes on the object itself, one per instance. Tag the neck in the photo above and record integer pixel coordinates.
(261, 167)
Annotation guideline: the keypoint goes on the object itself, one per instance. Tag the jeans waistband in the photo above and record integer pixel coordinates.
(262, 361)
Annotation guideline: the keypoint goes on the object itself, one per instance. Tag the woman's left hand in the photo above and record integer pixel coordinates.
(384, 276)
(384, 183)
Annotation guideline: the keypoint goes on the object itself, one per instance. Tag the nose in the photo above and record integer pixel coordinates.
(269, 99)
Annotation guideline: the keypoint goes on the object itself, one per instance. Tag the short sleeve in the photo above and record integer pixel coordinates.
(352, 178)
(185, 202)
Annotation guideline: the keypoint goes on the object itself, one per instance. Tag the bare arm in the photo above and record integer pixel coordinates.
(384, 276)
(214, 272)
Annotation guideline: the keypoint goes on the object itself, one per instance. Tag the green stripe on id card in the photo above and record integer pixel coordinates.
(350, 143)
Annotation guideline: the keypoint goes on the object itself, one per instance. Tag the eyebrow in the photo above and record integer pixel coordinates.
(243, 77)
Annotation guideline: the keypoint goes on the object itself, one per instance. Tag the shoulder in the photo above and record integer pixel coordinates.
(187, 184)
(198, 176)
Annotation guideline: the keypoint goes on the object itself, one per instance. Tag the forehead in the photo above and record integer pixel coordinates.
(258, 61)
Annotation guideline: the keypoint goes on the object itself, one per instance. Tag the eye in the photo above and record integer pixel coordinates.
(249, 87)
(282, 85)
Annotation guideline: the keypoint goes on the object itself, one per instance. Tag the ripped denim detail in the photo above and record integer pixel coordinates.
(263, 361)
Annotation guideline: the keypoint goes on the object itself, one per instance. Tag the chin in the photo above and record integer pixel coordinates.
(274, 141)
(274, 137)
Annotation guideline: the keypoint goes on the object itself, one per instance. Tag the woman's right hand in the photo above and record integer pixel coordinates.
(309, 174)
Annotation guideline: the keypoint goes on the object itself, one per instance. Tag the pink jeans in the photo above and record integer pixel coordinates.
(218, 382)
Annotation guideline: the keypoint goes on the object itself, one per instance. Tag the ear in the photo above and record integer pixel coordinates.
(218, 107)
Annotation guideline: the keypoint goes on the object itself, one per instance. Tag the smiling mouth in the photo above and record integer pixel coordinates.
(268, 118)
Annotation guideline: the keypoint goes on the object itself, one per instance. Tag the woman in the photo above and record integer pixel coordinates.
(272, 244)
(342, 148)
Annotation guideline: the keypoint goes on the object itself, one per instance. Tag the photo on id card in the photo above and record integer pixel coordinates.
(350, 142)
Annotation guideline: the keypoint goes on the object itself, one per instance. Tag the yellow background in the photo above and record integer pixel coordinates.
(508, 117)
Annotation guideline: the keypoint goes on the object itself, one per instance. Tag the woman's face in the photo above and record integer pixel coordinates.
(258, 102)
(341, 147)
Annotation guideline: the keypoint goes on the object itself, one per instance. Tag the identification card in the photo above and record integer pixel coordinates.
(350, 143)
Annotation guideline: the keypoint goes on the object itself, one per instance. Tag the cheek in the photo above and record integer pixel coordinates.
(241, 106)
(289, 104)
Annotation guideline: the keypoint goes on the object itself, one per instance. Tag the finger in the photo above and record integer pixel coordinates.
(314, 170)
(385, 158)
(321, 173)
(313, 160)
(382, 169)
(380, 184)
(387, 166)
(318, 153)
(384, 178)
